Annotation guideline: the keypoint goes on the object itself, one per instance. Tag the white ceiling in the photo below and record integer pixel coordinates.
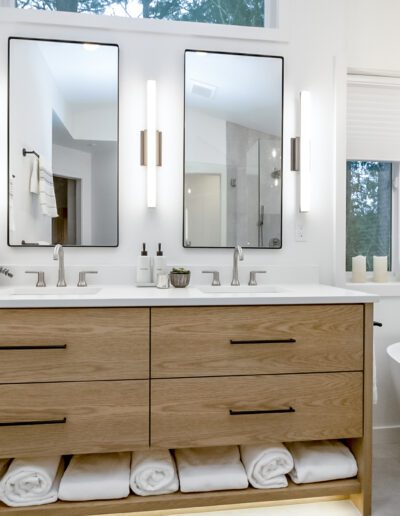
(248, 88)
(84, 74)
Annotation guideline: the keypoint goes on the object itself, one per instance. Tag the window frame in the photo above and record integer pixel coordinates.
(280, 34)
(395, 220)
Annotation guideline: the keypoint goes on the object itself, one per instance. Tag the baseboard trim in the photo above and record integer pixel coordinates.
(386, 435)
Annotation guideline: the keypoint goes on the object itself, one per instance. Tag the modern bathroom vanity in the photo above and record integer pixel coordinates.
(131, 368)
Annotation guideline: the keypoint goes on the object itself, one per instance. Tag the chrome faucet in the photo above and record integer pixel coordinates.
(59, 255)
(237, 255)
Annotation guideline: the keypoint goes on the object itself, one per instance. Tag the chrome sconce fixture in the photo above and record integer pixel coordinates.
(151, 144)
(301, 151)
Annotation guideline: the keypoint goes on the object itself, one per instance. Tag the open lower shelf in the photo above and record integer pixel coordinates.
(182, 501)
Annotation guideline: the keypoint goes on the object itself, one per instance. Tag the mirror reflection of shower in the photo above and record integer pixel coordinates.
(263, 178)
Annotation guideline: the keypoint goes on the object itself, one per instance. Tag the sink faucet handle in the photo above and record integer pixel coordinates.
(40, 278)
(252, 280)
(82, 278)
(215, 282)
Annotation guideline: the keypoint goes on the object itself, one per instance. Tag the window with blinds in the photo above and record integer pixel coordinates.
(373, 157)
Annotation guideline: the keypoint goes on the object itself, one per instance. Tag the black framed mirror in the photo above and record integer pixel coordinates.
(63, 100)
(233, 150)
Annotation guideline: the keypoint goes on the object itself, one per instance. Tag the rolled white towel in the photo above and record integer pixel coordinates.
(153, 473)
(97, 476)
(318, 461)
(31, 481)
(266, 464)
(210, 469)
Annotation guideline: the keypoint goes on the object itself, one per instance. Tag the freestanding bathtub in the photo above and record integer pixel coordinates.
(394, 354)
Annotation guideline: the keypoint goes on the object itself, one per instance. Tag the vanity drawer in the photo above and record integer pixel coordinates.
(207, 341)
(73, 344)
(197, 411)
(76, 417)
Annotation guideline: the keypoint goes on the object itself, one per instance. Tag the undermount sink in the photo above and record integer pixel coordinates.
(241, 289)
(55, 291)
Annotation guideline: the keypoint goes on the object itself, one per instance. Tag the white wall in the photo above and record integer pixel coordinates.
(310, 51)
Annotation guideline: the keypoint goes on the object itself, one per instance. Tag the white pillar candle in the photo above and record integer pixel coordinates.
(380, 269)
(359, 269)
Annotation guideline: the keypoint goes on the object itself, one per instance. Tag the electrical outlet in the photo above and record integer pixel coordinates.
(300, 232)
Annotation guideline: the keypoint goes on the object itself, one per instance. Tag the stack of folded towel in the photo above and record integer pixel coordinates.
(266, 465)
(318, 461)
(97, 476)
(210, 469)
(153, 473)
(38, 481)
(31, 481)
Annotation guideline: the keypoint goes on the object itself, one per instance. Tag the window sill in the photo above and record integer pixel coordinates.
(388, 289)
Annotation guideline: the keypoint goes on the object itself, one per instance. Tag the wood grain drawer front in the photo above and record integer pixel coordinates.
(250, 409)
(78, 417)
(74, 344)
(189, 342)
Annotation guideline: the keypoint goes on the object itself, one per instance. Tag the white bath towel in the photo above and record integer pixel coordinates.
(210, 469)
(153, 473)
(97, 476)
(34, 179)
(31, 481)
(266, 464)
(318, 461)
(47, 195)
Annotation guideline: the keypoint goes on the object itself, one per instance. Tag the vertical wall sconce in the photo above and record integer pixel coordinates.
(151, 144)
(301, 151)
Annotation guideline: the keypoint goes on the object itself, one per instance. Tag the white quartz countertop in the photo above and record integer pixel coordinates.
(114, 296)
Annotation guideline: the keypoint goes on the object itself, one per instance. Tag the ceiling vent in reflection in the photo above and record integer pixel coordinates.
(203, 89)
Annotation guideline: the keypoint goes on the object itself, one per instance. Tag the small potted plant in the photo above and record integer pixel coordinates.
(179, 277)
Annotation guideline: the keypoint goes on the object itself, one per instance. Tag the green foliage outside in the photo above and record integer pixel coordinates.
(227, 12)
(368, 211)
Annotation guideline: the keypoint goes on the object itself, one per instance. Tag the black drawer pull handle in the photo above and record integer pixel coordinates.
(40, 346)
(264, 341)
(29, 423)
(376, 323)
(250, 412)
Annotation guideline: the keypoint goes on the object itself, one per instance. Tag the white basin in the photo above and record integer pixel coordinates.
(55, 291)
(241, 289)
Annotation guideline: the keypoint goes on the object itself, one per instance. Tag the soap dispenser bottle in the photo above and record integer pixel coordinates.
(159, 264)
(143, 269)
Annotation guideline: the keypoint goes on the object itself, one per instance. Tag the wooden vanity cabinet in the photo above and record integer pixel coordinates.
(170, 377)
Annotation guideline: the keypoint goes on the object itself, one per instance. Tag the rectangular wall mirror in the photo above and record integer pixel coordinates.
(62, 143)
(233, 150)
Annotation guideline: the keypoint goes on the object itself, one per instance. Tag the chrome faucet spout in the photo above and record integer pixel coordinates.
(58, 254)
(237, 255)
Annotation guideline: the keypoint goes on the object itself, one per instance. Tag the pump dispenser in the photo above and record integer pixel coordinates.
(143, 269)
(159, 264)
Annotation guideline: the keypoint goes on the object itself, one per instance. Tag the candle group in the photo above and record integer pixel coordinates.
(380, 269)
(359, 269)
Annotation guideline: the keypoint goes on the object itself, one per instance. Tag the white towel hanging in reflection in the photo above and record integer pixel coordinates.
(47, 195)
(34, 180)
(11, 211)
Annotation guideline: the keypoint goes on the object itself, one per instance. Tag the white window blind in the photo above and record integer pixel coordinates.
(373, 118)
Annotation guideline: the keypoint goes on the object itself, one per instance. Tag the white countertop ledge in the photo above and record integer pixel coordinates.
(120, 296)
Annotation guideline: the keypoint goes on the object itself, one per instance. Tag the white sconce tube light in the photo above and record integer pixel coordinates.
(301, 151)
(151, 144)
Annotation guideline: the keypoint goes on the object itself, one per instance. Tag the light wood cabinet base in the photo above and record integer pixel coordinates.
(337, 488)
